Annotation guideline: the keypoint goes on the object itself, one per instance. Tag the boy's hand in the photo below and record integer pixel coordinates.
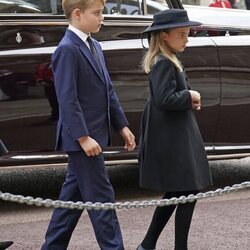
(196, 99)
(90, 146)
(129, 138)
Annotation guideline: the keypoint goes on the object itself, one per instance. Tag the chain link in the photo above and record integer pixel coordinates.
(121, 205)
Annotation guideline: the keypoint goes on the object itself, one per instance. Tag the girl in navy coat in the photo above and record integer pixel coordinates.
(171, 154)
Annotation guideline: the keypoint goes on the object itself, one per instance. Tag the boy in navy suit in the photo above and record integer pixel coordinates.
(88, 107)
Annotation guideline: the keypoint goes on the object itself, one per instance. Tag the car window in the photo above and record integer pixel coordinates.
(123, 7)
(219, 21)
(47, 6)
(134, 7)
(197, 10)
(225, 4)
(113, 7)
(18, 6)
(30, 6)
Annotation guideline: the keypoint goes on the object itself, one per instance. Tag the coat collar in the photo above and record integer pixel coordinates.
(86, 52)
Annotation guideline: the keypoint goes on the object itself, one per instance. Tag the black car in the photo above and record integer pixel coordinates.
(216, 60)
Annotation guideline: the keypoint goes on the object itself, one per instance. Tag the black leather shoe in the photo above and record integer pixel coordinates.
(5, 244)
(142, 248)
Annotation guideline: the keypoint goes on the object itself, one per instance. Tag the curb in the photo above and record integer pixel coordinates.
(46, 181)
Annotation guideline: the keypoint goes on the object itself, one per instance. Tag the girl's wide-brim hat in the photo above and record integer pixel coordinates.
(170, 18)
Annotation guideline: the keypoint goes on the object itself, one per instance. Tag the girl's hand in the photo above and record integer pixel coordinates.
(196, 99)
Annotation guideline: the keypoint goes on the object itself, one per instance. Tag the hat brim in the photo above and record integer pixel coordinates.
(170, 26)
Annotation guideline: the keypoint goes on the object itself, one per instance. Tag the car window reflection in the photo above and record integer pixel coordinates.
(123, 7)
(31, 6)
(225, 4)
(112, 7)
(18, 6)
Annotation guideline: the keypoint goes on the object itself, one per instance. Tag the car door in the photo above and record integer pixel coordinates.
(201, 63)
(234, 51)
(28, 105)
(229, 29)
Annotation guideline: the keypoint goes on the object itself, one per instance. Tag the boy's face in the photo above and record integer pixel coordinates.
(89, 20)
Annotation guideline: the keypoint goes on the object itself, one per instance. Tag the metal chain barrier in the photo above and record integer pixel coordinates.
(121, 205)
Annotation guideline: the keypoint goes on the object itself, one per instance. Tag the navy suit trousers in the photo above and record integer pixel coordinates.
(86, 180)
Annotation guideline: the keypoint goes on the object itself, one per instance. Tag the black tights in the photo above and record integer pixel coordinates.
(161, 216)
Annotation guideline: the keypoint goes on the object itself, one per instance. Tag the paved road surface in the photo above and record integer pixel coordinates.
(221, 223)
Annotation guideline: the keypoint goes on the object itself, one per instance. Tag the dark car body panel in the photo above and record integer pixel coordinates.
(217, 65)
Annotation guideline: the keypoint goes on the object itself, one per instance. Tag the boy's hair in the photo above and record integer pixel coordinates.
(70, 5)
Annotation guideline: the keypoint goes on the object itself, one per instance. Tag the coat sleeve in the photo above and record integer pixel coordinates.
(164, 88)
(64, 65)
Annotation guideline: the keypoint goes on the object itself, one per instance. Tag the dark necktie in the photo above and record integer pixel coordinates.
(94, 52)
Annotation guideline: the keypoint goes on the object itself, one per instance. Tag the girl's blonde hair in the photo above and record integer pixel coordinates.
(158, 47)
(70, 5)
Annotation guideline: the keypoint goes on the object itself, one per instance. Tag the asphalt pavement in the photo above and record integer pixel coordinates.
(219, 223)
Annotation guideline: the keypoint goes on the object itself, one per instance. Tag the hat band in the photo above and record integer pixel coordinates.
(179, 20)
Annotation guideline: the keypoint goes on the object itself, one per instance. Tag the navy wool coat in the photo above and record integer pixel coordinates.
(171, 155)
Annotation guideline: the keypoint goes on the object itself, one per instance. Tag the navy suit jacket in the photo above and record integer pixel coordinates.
(88, 104)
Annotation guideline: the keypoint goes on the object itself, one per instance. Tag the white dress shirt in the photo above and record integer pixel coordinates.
(83, 36)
